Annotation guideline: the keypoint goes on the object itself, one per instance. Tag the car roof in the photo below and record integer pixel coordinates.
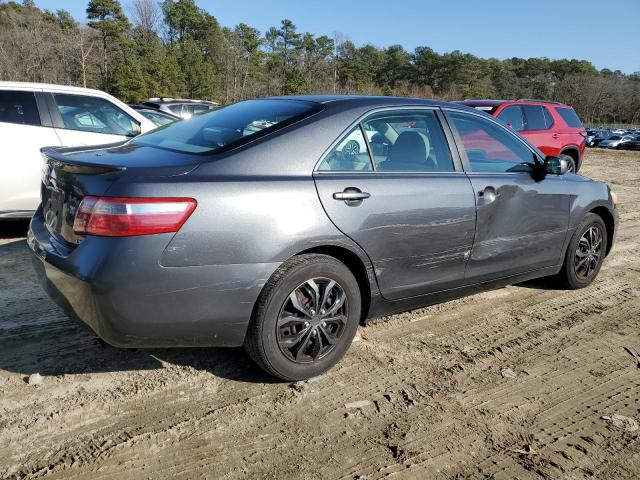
(48, 86)
(496, 103)
(363, 100)
(178, 101)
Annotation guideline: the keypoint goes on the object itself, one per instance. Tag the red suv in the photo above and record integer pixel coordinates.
(551, 126)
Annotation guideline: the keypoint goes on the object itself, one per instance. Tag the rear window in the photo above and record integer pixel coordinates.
(228, 127)
(570, 117)
(19, 107)
(536, 119)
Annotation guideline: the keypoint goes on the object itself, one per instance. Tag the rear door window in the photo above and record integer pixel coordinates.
(534, 116)
(547, 117)
(570, 117)
(95, 115)
(351, 154)
(408, 141)
(19, 107)
(512, 116)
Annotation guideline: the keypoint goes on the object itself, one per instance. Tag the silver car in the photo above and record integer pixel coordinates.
(615, 141)
(216, 232)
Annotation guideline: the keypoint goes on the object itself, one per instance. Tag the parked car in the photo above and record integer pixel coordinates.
(183, 108)
(633, 144)
(615, 141)
(158, 117)
(208, 233)
(551, 126)
(596, 137)
(36, 115)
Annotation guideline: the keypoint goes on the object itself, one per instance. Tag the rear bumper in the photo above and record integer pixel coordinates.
(118, 288)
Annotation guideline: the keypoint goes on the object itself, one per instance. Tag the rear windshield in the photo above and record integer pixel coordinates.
(228, 127)
(570, 117)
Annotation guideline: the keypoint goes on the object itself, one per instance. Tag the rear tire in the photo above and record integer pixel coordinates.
(293, 333)
(585, 253)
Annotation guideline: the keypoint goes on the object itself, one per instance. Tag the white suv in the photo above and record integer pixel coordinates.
(36, 115)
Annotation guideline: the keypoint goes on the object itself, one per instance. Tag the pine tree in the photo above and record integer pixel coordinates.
(107, 17)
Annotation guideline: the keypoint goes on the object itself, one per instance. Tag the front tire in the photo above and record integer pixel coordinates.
(585, 253)
(305, 318)
(570, 161)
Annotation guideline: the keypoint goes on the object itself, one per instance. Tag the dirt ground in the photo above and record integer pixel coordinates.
(522, 382)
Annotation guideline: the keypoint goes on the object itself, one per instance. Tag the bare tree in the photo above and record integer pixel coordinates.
(85, 41)
(146, 15)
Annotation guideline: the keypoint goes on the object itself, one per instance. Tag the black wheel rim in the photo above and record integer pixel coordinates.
(588, 252)
(312, 320)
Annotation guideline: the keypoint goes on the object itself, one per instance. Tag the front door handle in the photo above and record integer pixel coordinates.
(555, 135)
(351, 196)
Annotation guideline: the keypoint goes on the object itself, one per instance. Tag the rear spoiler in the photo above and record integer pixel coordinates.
(56, 158)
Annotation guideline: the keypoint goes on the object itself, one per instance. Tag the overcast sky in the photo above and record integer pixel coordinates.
(605, 33)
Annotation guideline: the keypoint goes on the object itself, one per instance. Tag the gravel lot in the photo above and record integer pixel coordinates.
(520, 382)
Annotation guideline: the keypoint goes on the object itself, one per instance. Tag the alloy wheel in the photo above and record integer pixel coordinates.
(312, 320)
(588, 252)
(351, 148)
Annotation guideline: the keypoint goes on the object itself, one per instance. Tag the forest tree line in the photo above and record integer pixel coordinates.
(173, 48)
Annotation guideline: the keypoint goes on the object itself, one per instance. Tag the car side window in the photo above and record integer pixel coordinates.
(350, 154)
(19, 107)
(512, 116)
(490, 147)
(535, 117)
(94, 114)
(548, 119)
(408, 141)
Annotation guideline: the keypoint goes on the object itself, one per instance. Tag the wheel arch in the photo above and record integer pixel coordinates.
(574, 153)
(353, 262)
(609, 222)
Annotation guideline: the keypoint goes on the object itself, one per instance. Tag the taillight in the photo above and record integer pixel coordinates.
(127, 216)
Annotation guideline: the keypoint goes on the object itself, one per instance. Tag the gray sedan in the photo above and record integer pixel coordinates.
(213, 232)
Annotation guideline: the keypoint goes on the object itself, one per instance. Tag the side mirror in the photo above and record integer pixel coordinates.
(136, 129)
(556, 166)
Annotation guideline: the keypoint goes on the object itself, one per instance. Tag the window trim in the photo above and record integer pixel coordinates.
(463, 153)
(550, 115)
(456, 159)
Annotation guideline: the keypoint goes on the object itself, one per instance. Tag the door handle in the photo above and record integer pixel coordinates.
(489, 194)
(555, 135)
(351, 195)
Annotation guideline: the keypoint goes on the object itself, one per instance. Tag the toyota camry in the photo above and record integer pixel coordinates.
(213, 232)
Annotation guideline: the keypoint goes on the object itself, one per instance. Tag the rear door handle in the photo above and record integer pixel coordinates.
(555, 135)
(351, 195)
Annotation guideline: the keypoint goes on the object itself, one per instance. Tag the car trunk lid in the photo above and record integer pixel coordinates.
(70, 174)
